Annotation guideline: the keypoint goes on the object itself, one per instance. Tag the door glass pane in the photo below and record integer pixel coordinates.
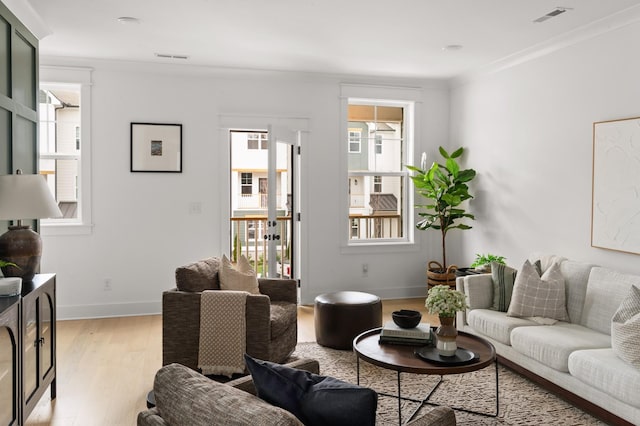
(46, 334)
(249, 202)
(7, 377)
(30, 364)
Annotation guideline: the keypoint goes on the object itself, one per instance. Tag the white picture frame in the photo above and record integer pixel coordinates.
(615, 207)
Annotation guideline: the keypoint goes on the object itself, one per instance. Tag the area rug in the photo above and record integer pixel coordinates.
(521, 401)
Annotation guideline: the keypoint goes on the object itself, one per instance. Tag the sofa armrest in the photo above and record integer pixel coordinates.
(246, 383)
(279, 289)
(478, 290)
(439, 416)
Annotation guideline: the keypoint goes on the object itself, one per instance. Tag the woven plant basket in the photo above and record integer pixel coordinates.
(435, 276)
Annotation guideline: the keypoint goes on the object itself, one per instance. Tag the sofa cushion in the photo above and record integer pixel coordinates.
(625, 328)
(576, 277)
(495, 324)
(535, 296)
(314, 399)
(552, 345)
(605, 291)
(603, 370)
(503, 278)
(199, 276)
(242, 277)
(283, 315)
(184, 396)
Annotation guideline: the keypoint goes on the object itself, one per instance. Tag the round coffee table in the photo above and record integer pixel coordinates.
(402, 358)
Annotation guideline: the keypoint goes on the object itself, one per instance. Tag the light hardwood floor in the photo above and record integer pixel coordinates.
(106, 366)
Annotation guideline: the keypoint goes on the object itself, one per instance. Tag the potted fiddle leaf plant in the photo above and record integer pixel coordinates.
(445, 188)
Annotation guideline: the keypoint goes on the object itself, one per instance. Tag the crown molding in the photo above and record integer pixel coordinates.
(594, 29)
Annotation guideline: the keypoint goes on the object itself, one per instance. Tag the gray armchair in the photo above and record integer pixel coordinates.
(271, 316)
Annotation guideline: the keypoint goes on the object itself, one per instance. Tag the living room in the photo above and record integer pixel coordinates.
(526, 123)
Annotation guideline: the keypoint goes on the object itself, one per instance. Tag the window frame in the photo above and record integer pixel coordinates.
(80, 77)
(355, 134)
(411, 99)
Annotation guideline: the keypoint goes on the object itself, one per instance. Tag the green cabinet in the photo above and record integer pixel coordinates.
(38, 326)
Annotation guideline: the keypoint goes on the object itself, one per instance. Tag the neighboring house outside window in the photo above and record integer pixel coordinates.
(65, 146)
(257, 141)
(383, 134)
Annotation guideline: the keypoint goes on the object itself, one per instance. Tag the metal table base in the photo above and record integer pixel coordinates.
(425, 400)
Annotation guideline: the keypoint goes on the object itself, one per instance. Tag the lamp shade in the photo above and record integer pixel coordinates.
(23, 197)
(26, 197)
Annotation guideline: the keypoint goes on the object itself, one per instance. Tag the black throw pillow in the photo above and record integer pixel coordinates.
(315, 400)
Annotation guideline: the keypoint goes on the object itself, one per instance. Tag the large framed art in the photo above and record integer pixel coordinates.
(615, 209)
(156, 147)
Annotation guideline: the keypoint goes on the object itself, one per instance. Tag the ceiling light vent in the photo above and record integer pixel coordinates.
(169, 56)
(557, 11)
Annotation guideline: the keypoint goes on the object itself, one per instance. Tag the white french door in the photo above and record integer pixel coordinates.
(264, 191)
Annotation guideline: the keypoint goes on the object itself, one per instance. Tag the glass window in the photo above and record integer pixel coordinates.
(355, 137)
(257, 141)
(378, 206)
(64, 159)
(60, 150)
(246, 182)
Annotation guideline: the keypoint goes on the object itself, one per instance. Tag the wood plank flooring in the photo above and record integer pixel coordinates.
(106, 366)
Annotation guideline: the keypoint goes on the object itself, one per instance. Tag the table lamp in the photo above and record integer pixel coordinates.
(24, 197)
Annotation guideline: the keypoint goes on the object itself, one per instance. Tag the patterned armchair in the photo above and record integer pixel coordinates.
(271, 316)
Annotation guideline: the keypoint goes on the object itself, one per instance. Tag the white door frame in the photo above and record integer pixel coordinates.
(292, 130)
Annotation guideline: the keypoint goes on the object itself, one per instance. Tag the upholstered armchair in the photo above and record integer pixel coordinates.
(271, 316)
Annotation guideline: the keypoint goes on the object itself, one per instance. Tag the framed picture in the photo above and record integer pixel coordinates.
(615, 208)
(156, 147)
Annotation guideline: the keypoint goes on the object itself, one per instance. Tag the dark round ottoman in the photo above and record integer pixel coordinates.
(341, 316)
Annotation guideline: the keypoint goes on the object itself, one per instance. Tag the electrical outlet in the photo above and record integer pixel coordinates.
(195, 207)
(107, 284)
(365, 269)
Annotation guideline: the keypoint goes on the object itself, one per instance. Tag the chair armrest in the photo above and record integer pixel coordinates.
(439, 416)
(151, 417)
(181, 327)
(279, 289)
(478, 290)
(246, 383)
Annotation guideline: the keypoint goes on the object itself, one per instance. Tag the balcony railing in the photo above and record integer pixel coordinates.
(378, 226)
(248, 239)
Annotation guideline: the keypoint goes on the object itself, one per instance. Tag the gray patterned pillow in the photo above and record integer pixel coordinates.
(625, 328)
(535, 296)
(503, 278)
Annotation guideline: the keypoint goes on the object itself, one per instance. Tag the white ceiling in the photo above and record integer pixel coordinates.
(366, 37)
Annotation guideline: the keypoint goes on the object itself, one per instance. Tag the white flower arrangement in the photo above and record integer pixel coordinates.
(444, 301)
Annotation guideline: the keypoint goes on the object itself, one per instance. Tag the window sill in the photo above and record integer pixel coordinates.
(380, 247)
(52, 229)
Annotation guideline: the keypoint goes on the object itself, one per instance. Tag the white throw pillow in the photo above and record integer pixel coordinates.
(535, 296)
(240, 278)
(625, 328)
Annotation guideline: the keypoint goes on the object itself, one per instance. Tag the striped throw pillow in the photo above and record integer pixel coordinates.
(503, 278)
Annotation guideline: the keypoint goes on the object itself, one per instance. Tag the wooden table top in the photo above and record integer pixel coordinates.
(403, 359)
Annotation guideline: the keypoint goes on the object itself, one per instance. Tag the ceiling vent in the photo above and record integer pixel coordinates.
(169, 56)
(555, 12)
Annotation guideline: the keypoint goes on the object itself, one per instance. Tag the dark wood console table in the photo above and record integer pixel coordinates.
(27, 348)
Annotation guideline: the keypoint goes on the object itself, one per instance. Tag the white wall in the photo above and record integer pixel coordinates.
(143, 229)
(529, 133)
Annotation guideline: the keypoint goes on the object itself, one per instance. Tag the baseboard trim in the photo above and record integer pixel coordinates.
(71, 312)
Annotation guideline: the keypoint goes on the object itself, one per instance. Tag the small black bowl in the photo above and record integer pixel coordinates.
(406, 318)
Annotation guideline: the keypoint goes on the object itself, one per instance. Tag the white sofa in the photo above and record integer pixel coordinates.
(573, 359)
